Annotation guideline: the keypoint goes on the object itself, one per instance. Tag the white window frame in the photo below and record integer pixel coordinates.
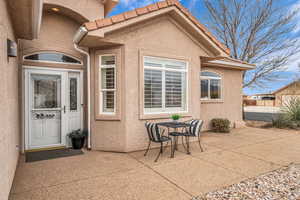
(209, 78)
(101, 91)
(163, 69)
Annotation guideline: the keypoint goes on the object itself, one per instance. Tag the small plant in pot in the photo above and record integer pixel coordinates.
(78, 138)
(175, 117)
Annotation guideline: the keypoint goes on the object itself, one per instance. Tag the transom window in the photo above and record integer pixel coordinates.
(52, 57)
(210, 85)
(107, 74)
(165, 85)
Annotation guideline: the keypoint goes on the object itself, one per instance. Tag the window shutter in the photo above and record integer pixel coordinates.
(174, 89)
(153, 88)
(108, 88)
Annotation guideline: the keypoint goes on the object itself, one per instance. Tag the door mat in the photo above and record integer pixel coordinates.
(51, 154)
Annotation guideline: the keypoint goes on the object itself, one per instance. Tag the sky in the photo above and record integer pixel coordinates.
(198, 9)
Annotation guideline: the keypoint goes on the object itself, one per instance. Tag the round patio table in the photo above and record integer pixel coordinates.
(175, 134)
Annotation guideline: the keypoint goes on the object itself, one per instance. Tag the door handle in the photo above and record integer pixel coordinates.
(64, 109)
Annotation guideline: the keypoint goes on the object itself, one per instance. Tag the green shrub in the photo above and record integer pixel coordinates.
(175, 117)
(281, 122)
(290, 115)
(291, 109)
(220, 125)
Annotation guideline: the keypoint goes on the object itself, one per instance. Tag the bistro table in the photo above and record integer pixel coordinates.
(175, 134)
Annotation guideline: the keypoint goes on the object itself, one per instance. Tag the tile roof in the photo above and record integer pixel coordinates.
(101, 23)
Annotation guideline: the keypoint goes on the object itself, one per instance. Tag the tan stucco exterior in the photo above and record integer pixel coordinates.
(56, 34)
(9, 106)
(290, 91)
(153, 38)
(230, 105)
(85, 10)
(168, 33)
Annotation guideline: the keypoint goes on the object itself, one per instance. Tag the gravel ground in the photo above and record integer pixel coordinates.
(281, 184)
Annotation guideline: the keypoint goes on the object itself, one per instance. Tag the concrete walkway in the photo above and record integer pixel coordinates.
(228, 159)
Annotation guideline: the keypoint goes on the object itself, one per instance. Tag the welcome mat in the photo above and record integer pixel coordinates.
(51, 154)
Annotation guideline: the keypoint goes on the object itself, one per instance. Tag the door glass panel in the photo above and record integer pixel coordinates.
(73, 94)
(47, 91)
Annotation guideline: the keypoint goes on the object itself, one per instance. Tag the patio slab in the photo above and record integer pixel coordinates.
(68, 169)
(196, 176)
(244, 165)
(227, 159)
(281, 152)
(131, 185)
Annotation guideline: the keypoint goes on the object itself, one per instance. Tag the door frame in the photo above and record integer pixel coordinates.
(26, 71)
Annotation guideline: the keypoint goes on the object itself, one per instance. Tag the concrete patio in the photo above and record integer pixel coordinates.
(228, 159)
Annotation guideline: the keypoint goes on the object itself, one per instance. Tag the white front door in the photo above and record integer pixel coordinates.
(52, 107)
(74, 102)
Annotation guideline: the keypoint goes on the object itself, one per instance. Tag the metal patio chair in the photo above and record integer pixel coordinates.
(193, 131)
(155, 135)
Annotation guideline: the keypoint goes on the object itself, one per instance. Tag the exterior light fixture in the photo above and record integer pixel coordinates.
(55, 9)
(11, 48)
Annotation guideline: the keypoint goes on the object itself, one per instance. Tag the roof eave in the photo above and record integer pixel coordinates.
(227, 64)
(108, 25)
(26, 16)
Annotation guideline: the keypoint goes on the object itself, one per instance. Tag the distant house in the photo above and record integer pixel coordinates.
(261, 97)
(286, 93)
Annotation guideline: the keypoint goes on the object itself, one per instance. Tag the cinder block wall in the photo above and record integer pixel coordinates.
(9, 106)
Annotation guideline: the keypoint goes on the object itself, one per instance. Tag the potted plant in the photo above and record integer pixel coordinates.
(78, 138)
(175, 117)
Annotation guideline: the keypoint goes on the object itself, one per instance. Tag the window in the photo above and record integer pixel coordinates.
(107, 84)
(165, 85)
(73, 94)
(52, 57)
(210, 85)
(47, 91)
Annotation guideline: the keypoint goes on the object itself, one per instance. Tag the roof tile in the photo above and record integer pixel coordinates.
(162, 4)
(141, 11)
(152, 7)
(118, 18)
(104, 22)
(130, 14)
(171, 2)
(90, 26)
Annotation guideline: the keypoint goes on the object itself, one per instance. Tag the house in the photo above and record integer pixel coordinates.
(286, 93)
(76, 68)
(267, 99)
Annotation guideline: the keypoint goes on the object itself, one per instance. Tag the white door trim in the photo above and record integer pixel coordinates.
(26, 71)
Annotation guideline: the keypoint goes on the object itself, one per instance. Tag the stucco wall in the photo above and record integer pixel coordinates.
(9, 110)
(230, 106)
(89, 9)
(160, 37)
(163, 37)
(56, 34)
(108, 134)
(292, 90)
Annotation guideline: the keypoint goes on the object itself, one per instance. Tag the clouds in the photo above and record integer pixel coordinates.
(191, 4)
(296, 7)
(132, 4)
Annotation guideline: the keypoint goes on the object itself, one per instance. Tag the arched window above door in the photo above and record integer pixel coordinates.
(52, 57)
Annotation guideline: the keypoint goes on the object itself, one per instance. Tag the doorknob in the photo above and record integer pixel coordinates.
(64, 108)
